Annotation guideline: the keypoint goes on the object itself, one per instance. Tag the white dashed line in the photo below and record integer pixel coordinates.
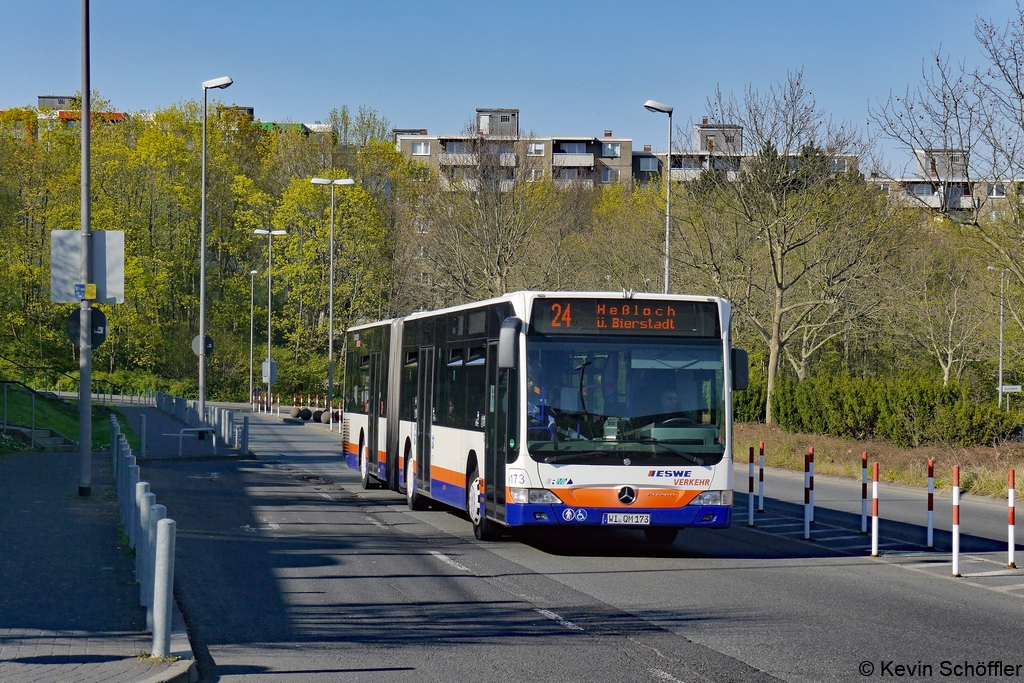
(664, 676)
(562, 622)
(449, 561)
(376, 523)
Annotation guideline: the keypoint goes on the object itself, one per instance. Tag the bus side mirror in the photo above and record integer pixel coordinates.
(740, 370)
(508, 343)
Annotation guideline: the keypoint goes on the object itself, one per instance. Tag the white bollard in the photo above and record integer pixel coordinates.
(129, 502)
(810, 452)
(156, 513)
(163, 590)
(931, 504)
(113, 444)
(142, 550)
(874, 510)
(750, 494)
(956, 520)
(807, 498)
(141, 489)
(142, 437)
(761, 475)
(1010, 496)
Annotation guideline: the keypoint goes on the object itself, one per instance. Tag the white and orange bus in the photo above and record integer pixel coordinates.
(551, 409)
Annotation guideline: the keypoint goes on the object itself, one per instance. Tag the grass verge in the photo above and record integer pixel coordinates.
(983, 469)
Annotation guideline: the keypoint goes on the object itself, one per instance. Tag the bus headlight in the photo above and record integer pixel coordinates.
(713, 498)
(536, 496)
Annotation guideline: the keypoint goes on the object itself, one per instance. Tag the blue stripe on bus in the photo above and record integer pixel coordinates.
(711, 516)
(352, 460)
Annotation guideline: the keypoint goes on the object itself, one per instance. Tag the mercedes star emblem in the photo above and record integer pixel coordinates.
(627, 495)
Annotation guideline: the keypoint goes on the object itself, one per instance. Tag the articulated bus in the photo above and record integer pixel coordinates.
(551, 409)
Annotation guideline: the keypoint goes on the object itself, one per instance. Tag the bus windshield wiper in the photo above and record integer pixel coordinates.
(667, 444)
(572, 455)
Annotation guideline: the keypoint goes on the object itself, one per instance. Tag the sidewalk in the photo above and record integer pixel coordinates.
(69, 604)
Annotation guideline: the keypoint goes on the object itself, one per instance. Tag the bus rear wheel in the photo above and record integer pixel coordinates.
(365, 480)
(414, 500)
(483, 528)
(661, 535)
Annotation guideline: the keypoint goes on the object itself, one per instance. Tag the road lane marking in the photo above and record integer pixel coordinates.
(376, 523)
(449, 561)
(664, 676)
(558, 618)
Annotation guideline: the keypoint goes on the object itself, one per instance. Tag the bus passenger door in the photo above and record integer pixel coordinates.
(424, 417)
(373, 428)
(500, 425)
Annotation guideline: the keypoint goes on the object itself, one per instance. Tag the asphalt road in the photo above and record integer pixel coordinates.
(287, 570)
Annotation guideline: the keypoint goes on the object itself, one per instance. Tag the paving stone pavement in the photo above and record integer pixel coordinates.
(69, 608)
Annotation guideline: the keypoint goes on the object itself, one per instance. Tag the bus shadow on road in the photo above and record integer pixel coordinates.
(777, 533)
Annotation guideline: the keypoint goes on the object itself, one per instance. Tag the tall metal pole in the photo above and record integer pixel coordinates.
(270, 269)
(1002, 274)
(252, 305)
(330, 315)
(202, 279)
(668, 194)
(85, 326)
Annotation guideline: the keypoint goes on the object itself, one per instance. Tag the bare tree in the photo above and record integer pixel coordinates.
(940, 306)
(789, 238)
(487, 211)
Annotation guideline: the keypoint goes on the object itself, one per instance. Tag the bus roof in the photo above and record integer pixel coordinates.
(525, 296)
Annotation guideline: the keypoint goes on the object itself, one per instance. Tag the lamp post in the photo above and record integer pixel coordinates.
(330, 294)
(270, 274)
(652, 105)
(252, 304)
(1002, 274)
(219, 83)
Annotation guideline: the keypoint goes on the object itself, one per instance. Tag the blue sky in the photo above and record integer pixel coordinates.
(572, 68)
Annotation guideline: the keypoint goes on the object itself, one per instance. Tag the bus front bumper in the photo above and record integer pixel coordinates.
(710, 516)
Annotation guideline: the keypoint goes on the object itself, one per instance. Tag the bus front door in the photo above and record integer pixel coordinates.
(500, 432)
(376, 399)
(424, 417)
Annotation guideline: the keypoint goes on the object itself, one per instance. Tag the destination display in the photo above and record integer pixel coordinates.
(625, 316)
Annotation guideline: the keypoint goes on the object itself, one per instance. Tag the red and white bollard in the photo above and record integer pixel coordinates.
(956, 520)
(760, 480)
(931, 504)
(330, 416)
(864, 492)
(810, 453)
(807, 497)
(750, 495)
(1010, 495)
(874, 509)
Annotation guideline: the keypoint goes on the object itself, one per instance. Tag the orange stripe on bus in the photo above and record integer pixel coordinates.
(609, 498)
(447, 476)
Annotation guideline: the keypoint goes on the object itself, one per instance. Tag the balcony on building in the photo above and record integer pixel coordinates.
(573, 152)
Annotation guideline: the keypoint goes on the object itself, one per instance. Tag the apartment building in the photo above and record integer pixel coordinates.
(573, 160)
(942, 181)
(495, 147)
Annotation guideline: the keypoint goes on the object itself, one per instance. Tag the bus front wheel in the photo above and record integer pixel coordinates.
(483, 528)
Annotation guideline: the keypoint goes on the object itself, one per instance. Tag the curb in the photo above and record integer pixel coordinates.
(184, 670)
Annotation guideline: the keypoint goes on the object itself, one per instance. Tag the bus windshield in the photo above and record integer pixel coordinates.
(625, 400)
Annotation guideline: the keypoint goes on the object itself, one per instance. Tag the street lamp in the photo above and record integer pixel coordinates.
(330, 295)
(269, 369)
(252, 304)
(219, 83)
(652, 105)
(1002, 273)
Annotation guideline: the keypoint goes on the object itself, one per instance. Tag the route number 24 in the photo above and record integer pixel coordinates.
(559, 316)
